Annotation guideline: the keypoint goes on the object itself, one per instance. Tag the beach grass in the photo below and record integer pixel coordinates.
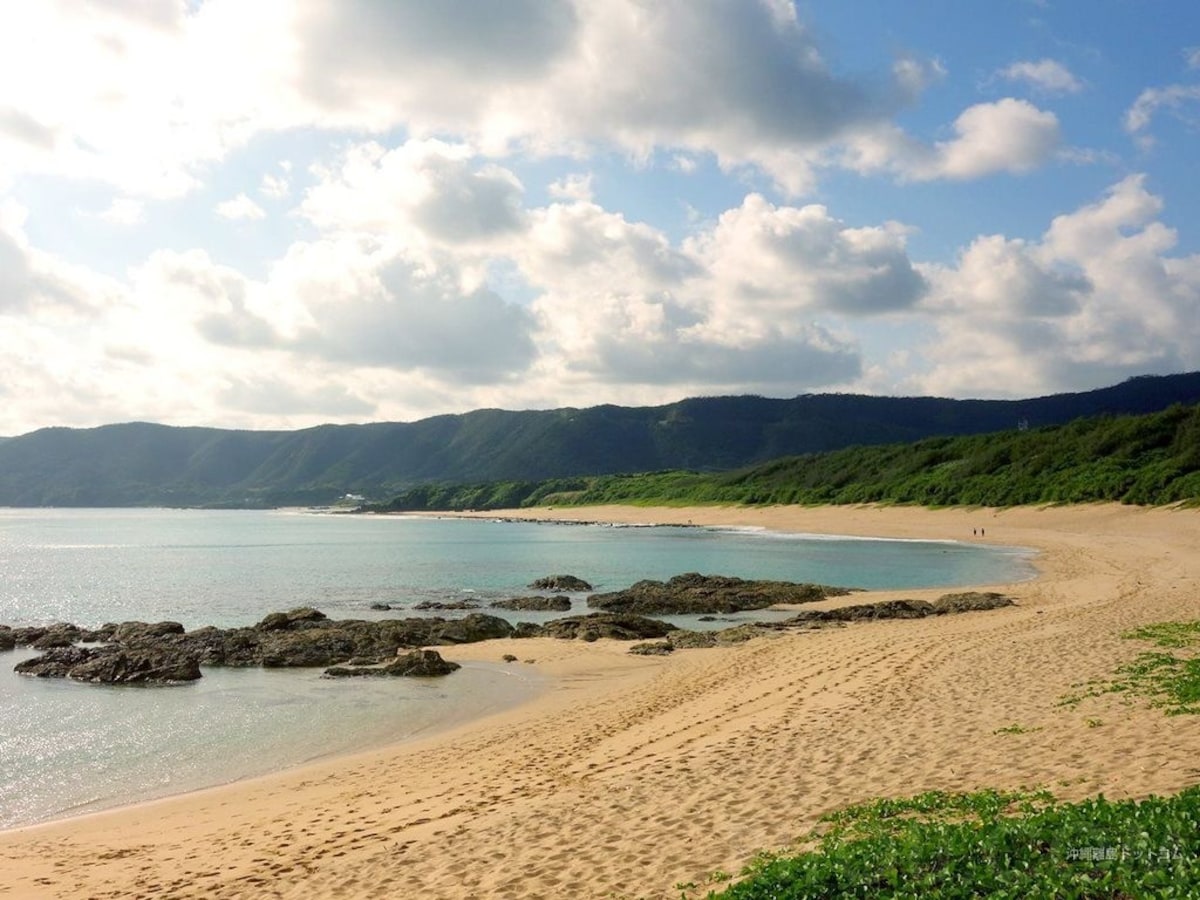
(990, 843)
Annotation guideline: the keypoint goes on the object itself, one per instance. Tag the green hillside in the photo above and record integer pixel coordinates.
(142, 464)
(1150, 459)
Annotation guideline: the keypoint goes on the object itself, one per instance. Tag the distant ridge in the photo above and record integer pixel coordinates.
(142, 464)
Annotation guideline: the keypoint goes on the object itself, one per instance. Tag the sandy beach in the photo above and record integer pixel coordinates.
(633, 774)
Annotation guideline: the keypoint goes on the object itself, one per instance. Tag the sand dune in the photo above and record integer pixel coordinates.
(633, 774)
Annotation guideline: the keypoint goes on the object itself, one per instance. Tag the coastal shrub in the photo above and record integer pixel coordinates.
(993, 844)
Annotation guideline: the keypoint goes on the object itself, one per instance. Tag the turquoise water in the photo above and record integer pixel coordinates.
(67, 748)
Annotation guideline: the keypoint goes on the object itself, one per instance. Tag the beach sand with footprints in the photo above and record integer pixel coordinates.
(633, 774)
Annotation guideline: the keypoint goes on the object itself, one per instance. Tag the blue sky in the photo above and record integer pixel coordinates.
(278, 214)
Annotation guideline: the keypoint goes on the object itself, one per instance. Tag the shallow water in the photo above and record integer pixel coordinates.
(67, 748)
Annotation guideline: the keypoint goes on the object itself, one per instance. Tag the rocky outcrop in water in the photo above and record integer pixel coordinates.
(695, 594)
(140, 652)
(447, 605)
(569, 583)
(557, 603)
(113, 665)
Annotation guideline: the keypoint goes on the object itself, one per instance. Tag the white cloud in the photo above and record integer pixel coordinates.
(1192, 56)
(1006, 136)
(1098, 299)
(1175, 98)
(573, 187)
(274, 186)
(1046, 75)
(240, 207)
(423, 190)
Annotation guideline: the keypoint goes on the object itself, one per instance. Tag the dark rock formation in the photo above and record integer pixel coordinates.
(904, 609)
(528, 630)
(415, 663)
(143, 632)
(278, 620)
(567, 583)
(970, 601)
(697, 594)
(380, 607)
(656, 648)
(616, 626)
(58, 636)
(557, 603)
(303, 637)
(447, 604)
(112, 665)
(7, 641)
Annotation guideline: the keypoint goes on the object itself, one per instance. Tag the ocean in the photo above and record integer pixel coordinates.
(69, 748)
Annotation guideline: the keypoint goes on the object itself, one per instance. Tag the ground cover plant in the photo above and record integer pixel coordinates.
(1168, 678)
(990, 844)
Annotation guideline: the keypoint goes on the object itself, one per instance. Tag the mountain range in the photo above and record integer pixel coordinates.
(144, 464)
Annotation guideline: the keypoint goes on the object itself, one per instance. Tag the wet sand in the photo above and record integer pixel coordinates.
(632, 774)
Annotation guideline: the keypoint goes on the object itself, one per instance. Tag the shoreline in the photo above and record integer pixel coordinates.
(662, 770)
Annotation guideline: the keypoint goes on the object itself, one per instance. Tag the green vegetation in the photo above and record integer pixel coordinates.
(141, 464)
(1170, 681)
(1149, 459)
(991, 844)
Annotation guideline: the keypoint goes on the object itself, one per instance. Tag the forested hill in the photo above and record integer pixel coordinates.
(143, 464)
(1150, 459)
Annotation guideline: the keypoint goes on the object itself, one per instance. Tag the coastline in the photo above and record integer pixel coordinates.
(631, 774)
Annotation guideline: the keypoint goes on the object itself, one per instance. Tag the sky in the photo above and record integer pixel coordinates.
(282, 213)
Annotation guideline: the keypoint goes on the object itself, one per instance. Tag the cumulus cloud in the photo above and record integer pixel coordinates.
(1099, 298)
(425, 190)
(769, 263)
(1046, 75)
(735, 307)
(1006, 136)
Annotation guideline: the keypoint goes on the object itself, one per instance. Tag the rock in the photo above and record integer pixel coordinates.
(657, 648)
(416, 663)
(528, 630)
(27, 635)
(887, 609)
(470, 629)
(567, 583)
(7, 641)
(281, 620)
(143, 632)
(382, 607)
(690, 640)
(450, 604)
(607, 625)
(508, 657)
(137, 667)
(58, 636)
(557, 603)
(693, 594)
(905, 609)
(112, 665)
(970, 601)
(56, 663)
